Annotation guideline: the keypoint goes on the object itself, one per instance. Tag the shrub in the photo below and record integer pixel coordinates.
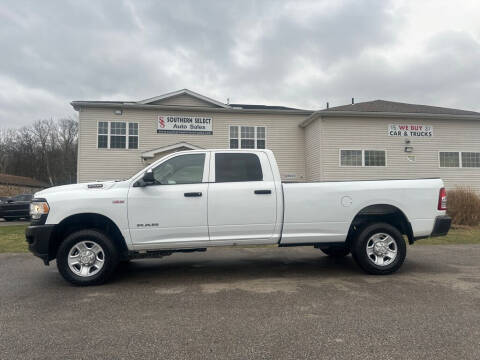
(463, 205)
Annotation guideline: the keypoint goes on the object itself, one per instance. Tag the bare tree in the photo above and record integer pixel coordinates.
(42, 131)
(46, 150)
(67, 138)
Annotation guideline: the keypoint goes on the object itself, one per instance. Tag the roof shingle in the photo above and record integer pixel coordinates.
(398, 107)
(263, 107)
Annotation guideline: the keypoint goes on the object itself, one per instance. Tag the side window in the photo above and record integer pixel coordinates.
(237, 167)
(182, 169)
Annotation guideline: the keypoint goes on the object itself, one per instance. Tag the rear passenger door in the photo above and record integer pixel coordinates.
(242, 202)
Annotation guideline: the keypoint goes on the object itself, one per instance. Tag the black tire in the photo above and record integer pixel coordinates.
(359, 249)
(110, 258)
(336, 251)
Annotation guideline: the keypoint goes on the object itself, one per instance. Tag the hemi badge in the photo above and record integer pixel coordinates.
(118, 201)
(95, 186)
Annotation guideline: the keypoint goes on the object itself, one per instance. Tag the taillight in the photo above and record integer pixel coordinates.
(442, 199)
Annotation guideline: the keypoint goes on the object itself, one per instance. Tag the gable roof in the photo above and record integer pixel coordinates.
(398, 107)
(152, 153)
(383, 108)
(184, 92)
(168, 101)
(8, 179)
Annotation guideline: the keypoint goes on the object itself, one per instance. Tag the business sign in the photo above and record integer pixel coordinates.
(180, 124)
(413, 130)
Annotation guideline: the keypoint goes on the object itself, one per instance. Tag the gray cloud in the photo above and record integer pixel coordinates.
(297, 53)
(446, 75)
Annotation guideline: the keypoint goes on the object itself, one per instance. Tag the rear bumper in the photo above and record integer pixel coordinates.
(442, 225)
(38, 238)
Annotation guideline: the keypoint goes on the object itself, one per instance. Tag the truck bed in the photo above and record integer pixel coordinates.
(323, 211)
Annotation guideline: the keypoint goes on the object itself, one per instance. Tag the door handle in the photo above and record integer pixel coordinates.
(192, 194)
(262, 192)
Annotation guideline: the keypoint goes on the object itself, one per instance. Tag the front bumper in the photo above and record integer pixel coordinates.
(38, 238)
(442, 225)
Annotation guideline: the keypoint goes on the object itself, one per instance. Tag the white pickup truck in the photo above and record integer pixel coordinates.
(192, 200)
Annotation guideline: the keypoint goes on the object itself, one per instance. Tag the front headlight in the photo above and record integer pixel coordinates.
(38, 208)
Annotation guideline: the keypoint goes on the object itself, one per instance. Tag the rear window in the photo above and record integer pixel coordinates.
(237, 167)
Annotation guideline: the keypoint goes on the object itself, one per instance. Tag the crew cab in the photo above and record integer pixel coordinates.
(193, 200)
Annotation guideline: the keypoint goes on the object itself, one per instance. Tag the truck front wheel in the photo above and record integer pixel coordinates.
(379, 249)
(87, 257)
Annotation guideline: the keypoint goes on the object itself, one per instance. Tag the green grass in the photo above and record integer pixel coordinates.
(12, 238)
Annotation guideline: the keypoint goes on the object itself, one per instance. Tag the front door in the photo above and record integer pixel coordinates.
(172, 211)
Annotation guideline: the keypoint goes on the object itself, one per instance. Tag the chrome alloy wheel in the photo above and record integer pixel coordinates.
(381, 249)
(86, 258)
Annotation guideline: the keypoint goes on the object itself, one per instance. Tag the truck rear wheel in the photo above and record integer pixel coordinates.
(87, 257)
(379, 249)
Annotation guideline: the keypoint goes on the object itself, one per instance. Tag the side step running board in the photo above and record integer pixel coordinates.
(143, 254)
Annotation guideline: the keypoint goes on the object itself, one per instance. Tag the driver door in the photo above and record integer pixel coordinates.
(173, 210)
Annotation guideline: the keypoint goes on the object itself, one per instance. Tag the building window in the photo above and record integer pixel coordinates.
(374, 158)
(113, 135)
(351, 157)
(449, 159)
(133, 135)
(247, 140)
(118, 135)
(247, 137)
(471, 159)
(233, 137)
(103, 134)
(456, 159)
(363, 158)
(260, 137)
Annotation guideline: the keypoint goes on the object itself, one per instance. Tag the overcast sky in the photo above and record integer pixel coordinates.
(293, 53)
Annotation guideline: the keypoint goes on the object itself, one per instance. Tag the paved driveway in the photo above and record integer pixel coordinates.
(247, 303)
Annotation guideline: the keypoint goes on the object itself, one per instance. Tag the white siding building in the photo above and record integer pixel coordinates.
(370, 140)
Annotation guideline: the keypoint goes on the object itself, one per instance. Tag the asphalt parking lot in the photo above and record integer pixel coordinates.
(249, 303)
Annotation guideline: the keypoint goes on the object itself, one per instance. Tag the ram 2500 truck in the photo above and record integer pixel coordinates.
(192, 200)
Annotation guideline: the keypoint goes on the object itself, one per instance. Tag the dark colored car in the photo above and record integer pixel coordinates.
(16, 207)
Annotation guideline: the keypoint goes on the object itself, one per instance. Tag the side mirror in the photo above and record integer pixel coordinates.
(146, 180)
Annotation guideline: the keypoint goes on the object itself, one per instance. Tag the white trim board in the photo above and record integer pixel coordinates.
(184, 92)
(151, 153)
